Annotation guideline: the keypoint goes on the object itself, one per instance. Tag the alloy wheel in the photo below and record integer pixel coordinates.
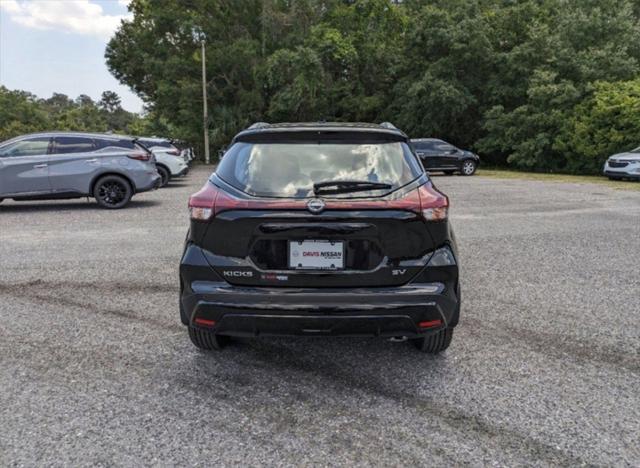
(468, 167)
(112, 192)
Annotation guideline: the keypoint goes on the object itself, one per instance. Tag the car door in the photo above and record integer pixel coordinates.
(424, 150)
(447, 155)
(24, 166)
(73, 164)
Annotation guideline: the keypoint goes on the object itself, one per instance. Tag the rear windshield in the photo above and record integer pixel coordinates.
(291, 169)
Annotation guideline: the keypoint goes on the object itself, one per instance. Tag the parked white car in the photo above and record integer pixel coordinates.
(170, 160)
(623, 165)
(186, 151)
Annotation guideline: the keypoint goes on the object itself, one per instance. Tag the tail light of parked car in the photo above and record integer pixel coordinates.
(425, 200)
(140, 156)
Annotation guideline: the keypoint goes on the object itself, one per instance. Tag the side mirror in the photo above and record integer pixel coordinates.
(453, 151)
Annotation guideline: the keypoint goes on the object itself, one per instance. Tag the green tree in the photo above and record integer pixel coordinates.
(20, 113)
(110, 102)
(571, 45)
(607, 122)
(499, 76)
(79, 118)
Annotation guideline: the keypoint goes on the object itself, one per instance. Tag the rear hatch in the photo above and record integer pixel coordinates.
(323, 213)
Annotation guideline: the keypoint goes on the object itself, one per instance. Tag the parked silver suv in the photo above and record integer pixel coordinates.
(56, 165)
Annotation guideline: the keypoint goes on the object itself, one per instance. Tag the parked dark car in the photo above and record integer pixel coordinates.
(58, 165)
(438, 155)
(320, 230)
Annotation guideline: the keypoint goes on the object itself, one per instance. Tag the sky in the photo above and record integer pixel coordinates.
(49, 46)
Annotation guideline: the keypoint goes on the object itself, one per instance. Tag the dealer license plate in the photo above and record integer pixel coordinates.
(316, 255)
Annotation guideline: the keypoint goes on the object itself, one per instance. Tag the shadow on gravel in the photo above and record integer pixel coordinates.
(46, 205)
(560, 346)
(172, 184)
(319, 374)
(80, 296)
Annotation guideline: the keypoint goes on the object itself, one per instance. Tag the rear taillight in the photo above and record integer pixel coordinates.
(425, 201)
(202, 204)
(173, 152)
(434, 206)
(139, 156)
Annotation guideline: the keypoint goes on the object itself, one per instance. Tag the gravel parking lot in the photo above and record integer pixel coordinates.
(96, 369)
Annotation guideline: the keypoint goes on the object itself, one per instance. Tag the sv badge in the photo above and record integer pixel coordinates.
(398, 272)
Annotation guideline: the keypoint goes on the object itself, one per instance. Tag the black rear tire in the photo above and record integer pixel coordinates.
(207, 340)
(112, 192)
(435, 343)
(615, 178)
(164, 175)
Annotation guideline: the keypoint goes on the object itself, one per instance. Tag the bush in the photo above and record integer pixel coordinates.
(607, 122)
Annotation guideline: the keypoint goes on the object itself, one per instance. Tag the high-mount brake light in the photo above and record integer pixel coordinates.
(139, 156)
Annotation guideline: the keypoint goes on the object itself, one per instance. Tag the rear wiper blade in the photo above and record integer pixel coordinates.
(345, 186)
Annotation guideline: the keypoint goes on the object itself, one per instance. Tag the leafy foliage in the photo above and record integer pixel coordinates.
(545, 85)
(22, 112)
(606, 123)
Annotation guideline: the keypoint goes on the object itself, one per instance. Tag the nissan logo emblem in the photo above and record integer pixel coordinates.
(315, 205)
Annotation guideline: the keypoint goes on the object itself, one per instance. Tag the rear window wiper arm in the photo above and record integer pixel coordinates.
(345, 186)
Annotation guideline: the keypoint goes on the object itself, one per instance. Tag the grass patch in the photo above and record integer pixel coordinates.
(572, 179)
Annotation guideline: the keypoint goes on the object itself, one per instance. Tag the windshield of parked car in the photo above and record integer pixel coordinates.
(292, 169)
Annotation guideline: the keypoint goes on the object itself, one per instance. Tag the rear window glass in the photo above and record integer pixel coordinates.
(291, 169)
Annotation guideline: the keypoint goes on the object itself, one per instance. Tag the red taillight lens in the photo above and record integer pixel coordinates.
(202, 204)
(139, 156)
(174, 152)
(434, 206)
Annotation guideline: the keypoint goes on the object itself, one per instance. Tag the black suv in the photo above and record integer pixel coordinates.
(320, 229)
(438, 155)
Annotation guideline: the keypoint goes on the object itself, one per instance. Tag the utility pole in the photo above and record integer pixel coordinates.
(205, 114)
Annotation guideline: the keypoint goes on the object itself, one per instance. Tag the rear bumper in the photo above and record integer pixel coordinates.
(183, 172)
(244, 311)
(208, 301)
(153, 184)
(254, 325)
